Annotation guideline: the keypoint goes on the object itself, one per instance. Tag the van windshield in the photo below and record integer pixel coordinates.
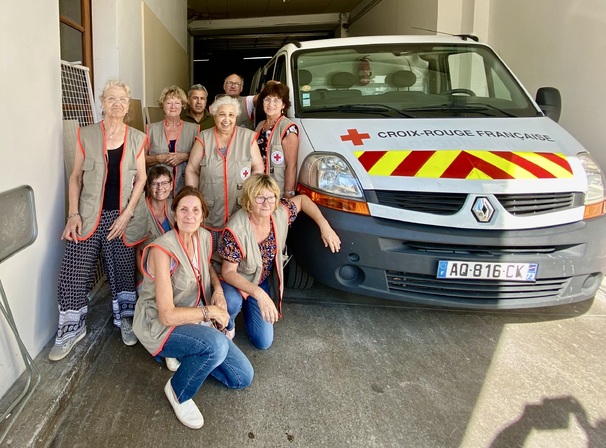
(406, 80)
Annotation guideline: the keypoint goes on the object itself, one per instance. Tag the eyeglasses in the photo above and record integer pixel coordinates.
(268, 100)
(232, 83)
(114, 100)
(163, 184)
(261, 199)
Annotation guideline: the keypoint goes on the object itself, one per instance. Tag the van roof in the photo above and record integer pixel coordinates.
(369, 40)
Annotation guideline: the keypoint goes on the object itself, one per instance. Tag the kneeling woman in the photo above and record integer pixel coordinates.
(252, 248)
(171, 317)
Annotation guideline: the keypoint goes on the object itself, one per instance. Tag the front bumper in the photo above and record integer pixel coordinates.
(397, 260)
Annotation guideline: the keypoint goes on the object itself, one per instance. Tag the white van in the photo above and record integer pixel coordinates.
(447, 184)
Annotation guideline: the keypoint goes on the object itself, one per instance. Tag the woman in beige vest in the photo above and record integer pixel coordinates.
(171, 139)
(221, 159)
(253, 247)
(178, 306)
(278, 138)
(105, 188)
(157, 218)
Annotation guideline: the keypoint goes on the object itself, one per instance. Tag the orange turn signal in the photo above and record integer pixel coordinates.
(594, 210)
(335, 202)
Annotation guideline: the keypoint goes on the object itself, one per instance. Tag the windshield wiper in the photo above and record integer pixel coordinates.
(387, 111)
(475, 107)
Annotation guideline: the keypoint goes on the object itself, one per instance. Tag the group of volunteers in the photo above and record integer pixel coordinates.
(190, 219)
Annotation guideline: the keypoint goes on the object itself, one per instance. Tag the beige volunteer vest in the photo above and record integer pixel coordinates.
(244, 120)
(221, 177)
(251, 266)
(275, 161)
(187, 291)
(144, 226)
(158, 144)
(91, 141)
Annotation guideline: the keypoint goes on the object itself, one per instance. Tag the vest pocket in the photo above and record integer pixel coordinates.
(181, 282)
(90, 178)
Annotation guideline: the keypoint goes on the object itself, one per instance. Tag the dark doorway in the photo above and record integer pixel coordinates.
(211, 68)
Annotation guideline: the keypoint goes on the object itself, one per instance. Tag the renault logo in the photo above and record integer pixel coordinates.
(482, 209)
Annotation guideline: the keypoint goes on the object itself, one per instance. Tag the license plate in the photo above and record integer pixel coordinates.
(517, 272)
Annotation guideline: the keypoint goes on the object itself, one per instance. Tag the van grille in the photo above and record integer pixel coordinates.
(451, 203)
(434, 203)
(482, 251)
(427, 286)
(525, 204)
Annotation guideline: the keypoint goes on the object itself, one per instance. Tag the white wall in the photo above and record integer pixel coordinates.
(118, 44)
(31, 153)
(559, 43)
(173, 15)
(397, 17)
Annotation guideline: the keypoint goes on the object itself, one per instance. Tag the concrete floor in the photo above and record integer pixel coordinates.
(347, 371)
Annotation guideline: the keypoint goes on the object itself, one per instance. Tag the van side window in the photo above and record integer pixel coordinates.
(280, 72)
(269, 72)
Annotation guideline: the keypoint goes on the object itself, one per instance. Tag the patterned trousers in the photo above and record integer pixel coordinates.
(78, 271)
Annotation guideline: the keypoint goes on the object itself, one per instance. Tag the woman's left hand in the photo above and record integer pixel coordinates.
(119, 225)
(219, 315)
(218, 299)
(330, 238)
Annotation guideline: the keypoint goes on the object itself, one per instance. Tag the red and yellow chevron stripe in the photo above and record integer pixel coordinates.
(464, 164)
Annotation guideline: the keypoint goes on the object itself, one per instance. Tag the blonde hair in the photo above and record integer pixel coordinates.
(172, 92)
(254, 186)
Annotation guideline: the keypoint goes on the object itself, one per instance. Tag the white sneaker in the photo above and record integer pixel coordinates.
(126, 330)
(230, 333)
(187, 412)
(172, 364)
(58, 352)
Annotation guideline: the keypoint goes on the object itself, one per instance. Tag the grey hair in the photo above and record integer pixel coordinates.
(196, 87)
(225, 100)
(241, 78)
(115, 83)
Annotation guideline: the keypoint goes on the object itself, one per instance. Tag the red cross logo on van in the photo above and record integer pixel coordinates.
(355, 137)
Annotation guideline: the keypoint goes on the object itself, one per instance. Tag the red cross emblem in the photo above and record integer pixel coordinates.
(355, 137)
(244, 173)
(277, 157)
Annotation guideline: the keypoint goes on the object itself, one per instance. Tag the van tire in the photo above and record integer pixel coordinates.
(297, 277)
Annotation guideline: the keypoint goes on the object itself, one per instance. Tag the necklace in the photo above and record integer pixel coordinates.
(270, 124)
(112, 131)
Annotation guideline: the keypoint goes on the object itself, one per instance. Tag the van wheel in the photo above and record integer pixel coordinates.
(296, 277)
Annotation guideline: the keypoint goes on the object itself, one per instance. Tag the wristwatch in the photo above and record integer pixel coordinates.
(290, 192)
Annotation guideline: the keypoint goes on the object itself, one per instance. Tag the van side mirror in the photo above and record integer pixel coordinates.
(550, 102)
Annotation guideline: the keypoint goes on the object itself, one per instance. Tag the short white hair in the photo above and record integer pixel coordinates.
(225, 100)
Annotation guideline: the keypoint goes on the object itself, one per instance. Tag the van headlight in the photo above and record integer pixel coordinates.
(594, 197)
(330, 173)
(329, 181)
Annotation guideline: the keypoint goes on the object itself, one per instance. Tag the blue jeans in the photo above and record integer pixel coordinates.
(205, 351)
(260, 332)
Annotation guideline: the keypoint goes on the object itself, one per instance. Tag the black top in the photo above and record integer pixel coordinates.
(111, 198)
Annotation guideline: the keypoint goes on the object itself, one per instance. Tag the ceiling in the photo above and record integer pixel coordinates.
(259, 27)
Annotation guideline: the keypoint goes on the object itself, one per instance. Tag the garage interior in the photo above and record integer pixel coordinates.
(240, 36)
